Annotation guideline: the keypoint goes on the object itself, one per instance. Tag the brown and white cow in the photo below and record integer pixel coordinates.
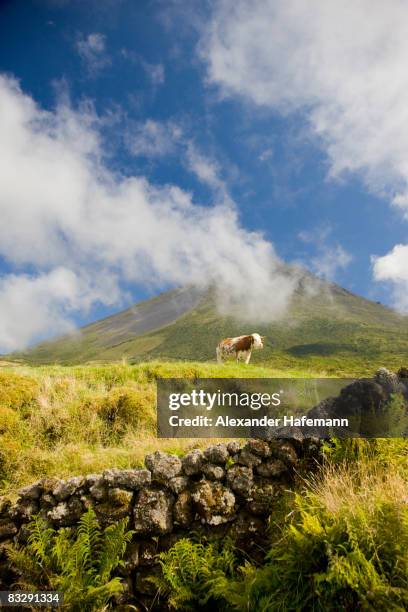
(240, 347)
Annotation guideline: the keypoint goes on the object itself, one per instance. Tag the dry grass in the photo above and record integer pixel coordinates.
(350, 486)
(58, 421)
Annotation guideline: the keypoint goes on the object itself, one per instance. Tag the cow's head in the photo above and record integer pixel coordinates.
(258, 341)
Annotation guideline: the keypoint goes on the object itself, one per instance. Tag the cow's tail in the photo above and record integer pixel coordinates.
(219, 355)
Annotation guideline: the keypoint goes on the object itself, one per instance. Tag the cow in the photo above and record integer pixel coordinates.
(241, 346)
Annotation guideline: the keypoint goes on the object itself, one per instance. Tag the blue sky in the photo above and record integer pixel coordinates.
(194, 101)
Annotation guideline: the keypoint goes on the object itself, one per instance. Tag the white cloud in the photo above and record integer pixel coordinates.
(343, 64)
(92, 50)
(393, 268)
(155, 72)
(329, 258)
(206, 169)
(37, 306)
(153, 138)
(85, 232)
(265, 154)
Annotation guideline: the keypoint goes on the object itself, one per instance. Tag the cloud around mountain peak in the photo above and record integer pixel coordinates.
(75, 234)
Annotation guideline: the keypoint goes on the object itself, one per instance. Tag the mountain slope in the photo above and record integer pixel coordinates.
(330, 328)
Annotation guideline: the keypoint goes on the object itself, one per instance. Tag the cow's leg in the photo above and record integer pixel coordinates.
(238, 354)
(248, 357)
(218, 353)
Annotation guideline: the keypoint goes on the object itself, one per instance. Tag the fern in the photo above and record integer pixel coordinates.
(193, 575)
(344, 546)
(77, 562)
(114, 541)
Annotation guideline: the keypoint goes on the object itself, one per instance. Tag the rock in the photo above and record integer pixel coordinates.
(249, 534)
(5, 507)
(120, 498)
(163, 466)
(183, 510)
(132, 555)
(66, 488)
(403, 373)
(168, 540)
(272, 468)
(214, 503)
(59, 513)
(23, 535)
(115, 507)
(360, 398)
(47, 501)
(388, 380)
(148, 553)
(152, 513)
(133, 480)
(87, 501)
(258, 447)
(217, 453)
(107, 514)
(32, 492)
(248, 458)
(240, 479)
(178, 483)
(92, 479)
(98, 488)
(213, 472)
(7, 529)
(284, 450)
(49, 484)
(24, 510)
(233, 447)
(193, 462)
(66, 513)
(262, 497)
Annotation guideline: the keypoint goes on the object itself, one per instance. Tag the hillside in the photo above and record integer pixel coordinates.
(330, 329)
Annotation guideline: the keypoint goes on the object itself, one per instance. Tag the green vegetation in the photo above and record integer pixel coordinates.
(329, 330)
(78, 562)
(190, 571)
(62, 421)
(340, 541)
(343, 546)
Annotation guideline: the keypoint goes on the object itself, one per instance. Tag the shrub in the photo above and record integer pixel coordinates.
(190, 572)
(388, 453)
(17, 391)
(77, 562)
(344, 547)
(9, 419)
(127, 406)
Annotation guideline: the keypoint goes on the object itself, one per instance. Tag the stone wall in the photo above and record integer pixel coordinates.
(228, 489)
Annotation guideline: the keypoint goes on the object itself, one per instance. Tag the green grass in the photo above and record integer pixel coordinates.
(59, 421)
(79, 563)
(342, 546)
(339, 541)
(331, 330)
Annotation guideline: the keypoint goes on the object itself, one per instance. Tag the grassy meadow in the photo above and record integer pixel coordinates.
(61, 421)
